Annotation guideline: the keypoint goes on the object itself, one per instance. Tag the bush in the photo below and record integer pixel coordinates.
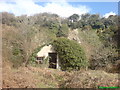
(63, 31)
(71, 55)
(17, 57)
(97, 52)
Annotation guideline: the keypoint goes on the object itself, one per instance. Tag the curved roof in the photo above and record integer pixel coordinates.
(45, 50)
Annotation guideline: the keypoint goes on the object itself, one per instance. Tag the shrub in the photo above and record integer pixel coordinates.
(17, 57)
(97, 52)
(71, 54)
(63, 31)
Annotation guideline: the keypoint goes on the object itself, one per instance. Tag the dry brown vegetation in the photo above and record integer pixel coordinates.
(22, 35)
(91, 79)
(35, 77)
(30, 77)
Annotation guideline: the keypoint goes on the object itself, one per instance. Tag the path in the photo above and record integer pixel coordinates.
(73, 35)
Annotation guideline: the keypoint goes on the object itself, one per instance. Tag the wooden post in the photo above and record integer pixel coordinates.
(57, 67)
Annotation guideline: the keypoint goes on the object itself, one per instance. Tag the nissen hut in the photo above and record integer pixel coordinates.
(48, 52)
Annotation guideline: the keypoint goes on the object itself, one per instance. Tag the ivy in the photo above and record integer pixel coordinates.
(71, 54)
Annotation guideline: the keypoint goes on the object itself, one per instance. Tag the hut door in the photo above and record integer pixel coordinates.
(53, 60)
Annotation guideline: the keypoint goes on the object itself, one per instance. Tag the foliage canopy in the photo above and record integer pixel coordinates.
(71, 54)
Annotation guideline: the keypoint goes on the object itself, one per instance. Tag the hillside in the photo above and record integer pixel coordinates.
(51, 78)
(91, 39)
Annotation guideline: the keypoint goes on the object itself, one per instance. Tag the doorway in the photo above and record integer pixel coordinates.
(53, 60)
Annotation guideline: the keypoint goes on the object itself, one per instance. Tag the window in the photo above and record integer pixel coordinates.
(40, 58)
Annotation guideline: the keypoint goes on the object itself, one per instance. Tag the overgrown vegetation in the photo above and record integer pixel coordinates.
(63, 31)
(32, 59)
(34, 54)
(90, 79)
(23, 36)
(98, 54)
(99, 37)
(71, 54)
